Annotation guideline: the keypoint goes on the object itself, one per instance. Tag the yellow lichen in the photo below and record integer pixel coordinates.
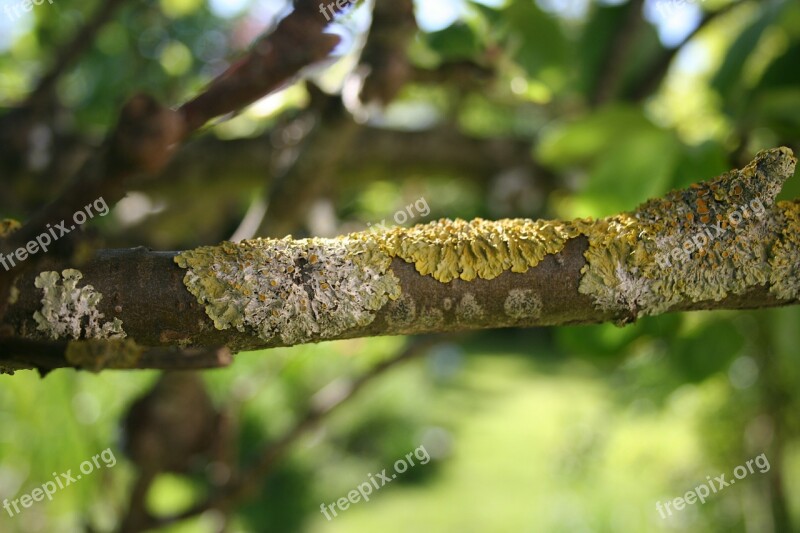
(457, 249)
(8, 226)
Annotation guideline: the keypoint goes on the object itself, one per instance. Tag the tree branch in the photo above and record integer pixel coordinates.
(443, 276)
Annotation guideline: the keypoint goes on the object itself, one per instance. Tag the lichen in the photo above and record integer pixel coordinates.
(402, 312)
(458, 249)
(785, 261)
(706, 242)
(96, 355)
(71, 312)
(468, 310)
(296, 290)
(8, 226)
(13, 295)
(430, 318)
(702, 243)
(522, 304)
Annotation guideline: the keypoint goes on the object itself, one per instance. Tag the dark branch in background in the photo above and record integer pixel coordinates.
(40, 107)
(298, 41)
(393, 28)
(314, 166)
(620, 48)
(147, 133)
(333, 131)
(440, 149)
(175, 428)
(325, 402)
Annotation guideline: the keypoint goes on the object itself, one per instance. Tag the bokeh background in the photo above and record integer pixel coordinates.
(546, 108)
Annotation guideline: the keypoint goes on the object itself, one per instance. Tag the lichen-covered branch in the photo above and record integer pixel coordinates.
(721, 244)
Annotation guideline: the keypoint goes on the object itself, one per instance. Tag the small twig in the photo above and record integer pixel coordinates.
(19, 354)
(322, 405)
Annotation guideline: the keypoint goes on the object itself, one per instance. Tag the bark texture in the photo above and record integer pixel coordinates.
(444, 276)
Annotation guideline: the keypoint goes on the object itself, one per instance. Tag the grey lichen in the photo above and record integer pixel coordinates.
(702, 243)
(402, 312)
(468, 310)
(297, 290)
(69, 311)
(522, 304)
(430, 318)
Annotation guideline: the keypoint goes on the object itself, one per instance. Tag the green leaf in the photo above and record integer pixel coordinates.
(706, 351)
(727, 80)
(569, 142)
(456, 42)
(537, 40)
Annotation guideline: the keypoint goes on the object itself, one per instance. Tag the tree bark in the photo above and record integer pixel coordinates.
(442, 276)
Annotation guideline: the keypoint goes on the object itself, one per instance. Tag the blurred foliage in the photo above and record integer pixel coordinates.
(564, 429)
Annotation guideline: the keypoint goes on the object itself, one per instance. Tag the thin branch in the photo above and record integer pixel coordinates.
(325, 402)
(46, 356)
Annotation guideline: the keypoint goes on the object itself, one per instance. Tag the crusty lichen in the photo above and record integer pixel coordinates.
(96, 355)
(522, 304)
(297, 290)
(785, 261)
(71, 312)
(702, 243)
(468, 310)
(402, 312)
